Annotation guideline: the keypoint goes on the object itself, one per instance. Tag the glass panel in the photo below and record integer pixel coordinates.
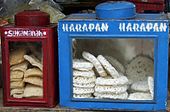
(115, 69)
(26, 69)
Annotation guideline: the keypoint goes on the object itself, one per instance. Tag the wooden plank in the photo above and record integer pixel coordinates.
(56, 109)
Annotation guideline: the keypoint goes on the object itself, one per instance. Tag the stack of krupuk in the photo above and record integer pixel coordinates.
(18, 66)
(140, 72)
(110, 83)
(26, 77)
(83, 79)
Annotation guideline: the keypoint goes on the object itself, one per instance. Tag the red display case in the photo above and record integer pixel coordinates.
(149, 5)
(29, 77)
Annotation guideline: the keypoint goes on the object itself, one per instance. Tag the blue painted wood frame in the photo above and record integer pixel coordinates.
(160, 61)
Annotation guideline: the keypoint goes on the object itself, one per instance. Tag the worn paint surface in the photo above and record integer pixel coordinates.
(86, 26)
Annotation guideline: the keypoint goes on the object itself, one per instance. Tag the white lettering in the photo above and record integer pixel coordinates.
(163, 27)
(122, 27)
(72, 28)
(136, 27)
(9, 33)
(85, 28)
(97, 28)
(91, 27)
(24, 33)
(65, 27)
(142, 27)
(78, 27)
(129, 27)
(149, 26)
(156, 27)
(104, 27)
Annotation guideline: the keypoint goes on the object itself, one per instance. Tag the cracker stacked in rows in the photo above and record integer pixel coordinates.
(25, 81)
(142, 90)
(140, 73)
(112, 87)
(33, 78)
(83, 79)
(18, 66)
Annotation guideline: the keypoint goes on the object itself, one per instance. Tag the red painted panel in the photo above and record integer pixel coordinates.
(149, 5)
(46, 35)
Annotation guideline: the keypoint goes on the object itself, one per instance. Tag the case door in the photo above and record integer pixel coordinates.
(141, 51)
(113, 69)
(25, 73)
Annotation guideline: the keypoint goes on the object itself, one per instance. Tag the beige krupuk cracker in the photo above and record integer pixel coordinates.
(33, 91)
(34, 61)
(34, 80)
(17, 74)
(19, 84)
(17, 56)
(21, 66)
(16, 91)
(15, 80)
(33, 72)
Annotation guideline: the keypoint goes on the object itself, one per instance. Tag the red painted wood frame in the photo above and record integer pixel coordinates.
(149, 5)
(49, 43)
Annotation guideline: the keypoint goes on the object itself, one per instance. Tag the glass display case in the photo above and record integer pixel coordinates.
(29, 77)
(26, 65)
(113, 63)
(113, 69)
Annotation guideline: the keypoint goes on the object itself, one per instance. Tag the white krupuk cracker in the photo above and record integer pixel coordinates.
(34, 61)
(122, 96)
(77, 90)
(109, 68)
(96, 63)
(89, 73)
(33, 91)
(140, 86)
(34, 80)
(84, 85)
(84, 80)
(140, 96)
(111, 89)
(33, 72)
(82, 95)
(115, 63)
(151, 85)
(82, 65)
(122, 80)
(140, 68)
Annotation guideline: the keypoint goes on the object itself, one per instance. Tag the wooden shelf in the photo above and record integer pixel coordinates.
(56, 109)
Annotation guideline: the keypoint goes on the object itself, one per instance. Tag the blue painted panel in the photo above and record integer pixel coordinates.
(137, 28)
(115, 10)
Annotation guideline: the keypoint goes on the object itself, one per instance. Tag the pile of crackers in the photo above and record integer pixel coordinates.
(139, 71)
(83, 79)
(26, 77)
(109, 83)
(105, 77)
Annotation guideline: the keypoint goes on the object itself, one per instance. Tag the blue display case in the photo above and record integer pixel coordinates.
(119, 64)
